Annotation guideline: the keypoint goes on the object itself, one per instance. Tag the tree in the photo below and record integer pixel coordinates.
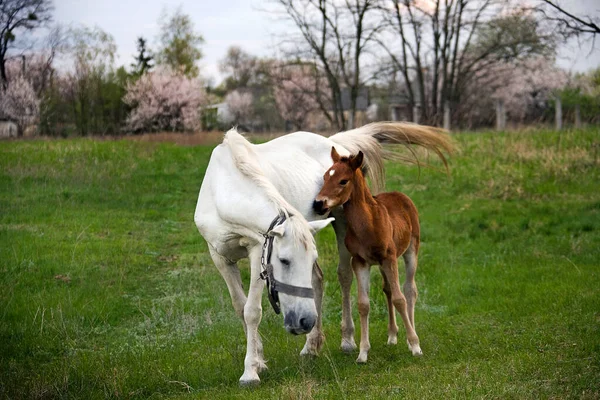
(240, 67)
(295, 93)
(179, 43)
(568, 23)
(20, 104)
(444, 44)
(336, 35)
(164, 100)
(240, 106)
(85, 86)
(526, 88)
(17, 16)
(143, 60)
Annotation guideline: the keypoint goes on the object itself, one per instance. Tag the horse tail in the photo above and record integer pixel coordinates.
(369, 140)
(246, 161)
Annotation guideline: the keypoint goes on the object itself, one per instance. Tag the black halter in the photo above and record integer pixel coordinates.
(273, 285)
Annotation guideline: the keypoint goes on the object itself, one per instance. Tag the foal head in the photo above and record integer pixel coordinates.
(338, 182)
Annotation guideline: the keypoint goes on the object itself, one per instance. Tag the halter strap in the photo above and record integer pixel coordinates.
(274, 286)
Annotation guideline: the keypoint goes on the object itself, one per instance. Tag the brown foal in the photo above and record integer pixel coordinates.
(380, 229)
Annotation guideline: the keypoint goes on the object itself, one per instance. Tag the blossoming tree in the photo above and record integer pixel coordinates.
(164, 100)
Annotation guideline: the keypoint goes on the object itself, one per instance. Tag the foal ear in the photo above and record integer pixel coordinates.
(357, 160)
(334, 155)
(316, 226)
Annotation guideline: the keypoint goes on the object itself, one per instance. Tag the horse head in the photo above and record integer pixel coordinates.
(338, 182)
(289, 255)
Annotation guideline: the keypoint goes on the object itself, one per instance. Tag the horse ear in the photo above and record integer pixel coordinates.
(334, 155)
(278, 231)
(316, 226)
(357, 160)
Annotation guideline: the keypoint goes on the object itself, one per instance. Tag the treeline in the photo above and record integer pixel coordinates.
(343, 64)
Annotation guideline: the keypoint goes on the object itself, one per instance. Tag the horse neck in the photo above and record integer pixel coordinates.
(361, 204)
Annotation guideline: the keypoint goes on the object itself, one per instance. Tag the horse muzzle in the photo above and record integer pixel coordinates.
(320, 207)
(298, 324)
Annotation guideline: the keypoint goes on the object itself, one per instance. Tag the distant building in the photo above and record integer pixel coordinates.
(8, 129)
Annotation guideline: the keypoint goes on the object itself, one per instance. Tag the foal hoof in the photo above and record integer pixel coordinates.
(348, 346)
(415, 349)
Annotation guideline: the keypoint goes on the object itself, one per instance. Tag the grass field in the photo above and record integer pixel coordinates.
(107, 289)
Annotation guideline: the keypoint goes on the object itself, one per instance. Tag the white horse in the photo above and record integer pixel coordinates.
(248, 187)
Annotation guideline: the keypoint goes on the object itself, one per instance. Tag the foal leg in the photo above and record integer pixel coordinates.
(390, 269)
(392, 326)
(253, 363)
(410, 287)
(362, 271)
(315, 339)
(344, 272)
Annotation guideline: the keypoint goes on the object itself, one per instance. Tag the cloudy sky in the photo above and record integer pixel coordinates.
(224, 23)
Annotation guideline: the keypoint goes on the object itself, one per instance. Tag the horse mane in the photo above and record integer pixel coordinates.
(246, 161)
(369, 139)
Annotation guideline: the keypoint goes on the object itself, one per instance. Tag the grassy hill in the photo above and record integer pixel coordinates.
(107, 289)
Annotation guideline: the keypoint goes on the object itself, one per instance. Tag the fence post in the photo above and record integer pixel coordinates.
(447, 115)
(558, 114)
(500, 115)
(416, 113)
(577, 116)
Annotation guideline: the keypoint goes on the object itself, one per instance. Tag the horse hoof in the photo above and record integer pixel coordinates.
(392, 340)
(309, 352)
(348, 346)
(362, 358)
(415, 349)
(249, 382)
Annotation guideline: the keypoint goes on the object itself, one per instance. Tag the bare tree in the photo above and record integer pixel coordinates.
(569, 23)
(16, 17)
(445, 43)
(335, 35)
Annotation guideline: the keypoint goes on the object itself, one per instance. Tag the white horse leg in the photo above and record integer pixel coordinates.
(253, 362)
(345, 276)
(315, 339)
(231, 274)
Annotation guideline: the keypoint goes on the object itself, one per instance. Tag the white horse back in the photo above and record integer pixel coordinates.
(229, 203)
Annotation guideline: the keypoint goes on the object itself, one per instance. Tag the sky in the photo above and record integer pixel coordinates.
(243, 23)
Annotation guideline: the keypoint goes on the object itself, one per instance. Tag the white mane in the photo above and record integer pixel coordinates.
(245, 160)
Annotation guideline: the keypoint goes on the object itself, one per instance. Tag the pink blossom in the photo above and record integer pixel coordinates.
(295, 94)
(164, 100)
(240, 105)
(20, 104)
(528, 84)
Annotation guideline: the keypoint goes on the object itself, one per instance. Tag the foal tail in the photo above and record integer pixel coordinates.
(369, 140)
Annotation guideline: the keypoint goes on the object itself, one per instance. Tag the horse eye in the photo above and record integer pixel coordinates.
(343, 182)
(285, 261)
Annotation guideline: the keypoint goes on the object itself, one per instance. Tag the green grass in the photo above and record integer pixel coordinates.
(107, 289)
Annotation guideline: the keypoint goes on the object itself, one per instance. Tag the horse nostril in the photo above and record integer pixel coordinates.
(317, 206)
(307, 323)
